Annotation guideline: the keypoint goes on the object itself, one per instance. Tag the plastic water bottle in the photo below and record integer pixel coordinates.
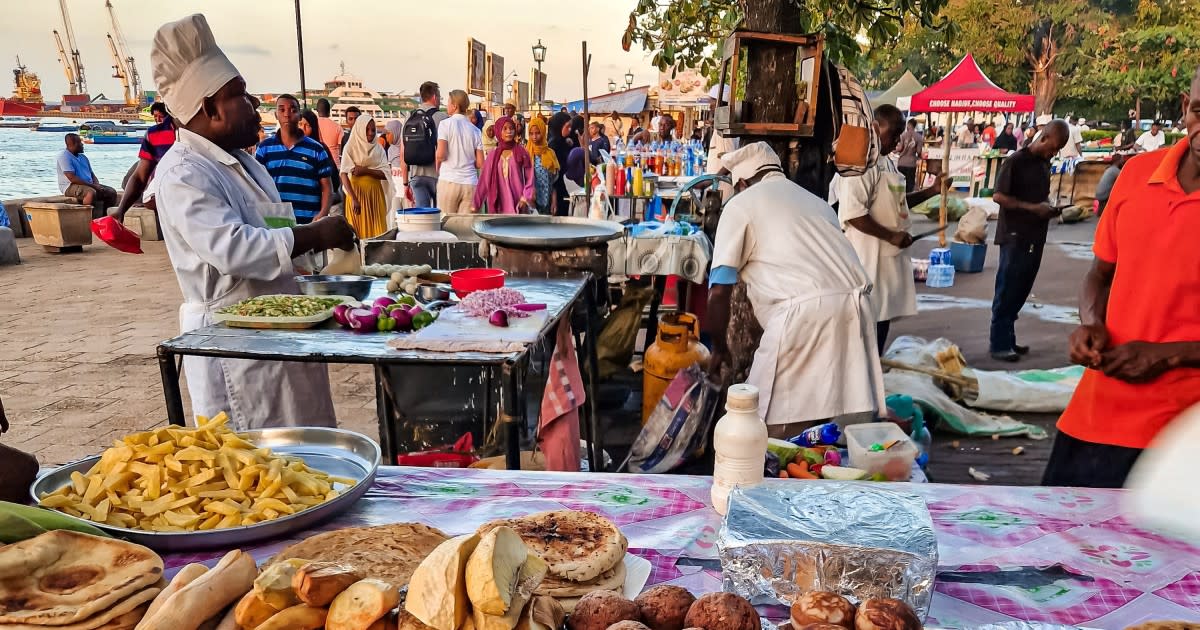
(740, 442)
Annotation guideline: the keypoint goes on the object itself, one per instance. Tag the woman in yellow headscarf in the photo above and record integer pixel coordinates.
(366, 179)
(545, 166)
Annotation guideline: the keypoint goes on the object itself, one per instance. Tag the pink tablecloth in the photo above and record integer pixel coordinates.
(1075, 560)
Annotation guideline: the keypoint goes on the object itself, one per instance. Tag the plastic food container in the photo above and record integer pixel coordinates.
(467, 281)
(419, 220)
(895, 463)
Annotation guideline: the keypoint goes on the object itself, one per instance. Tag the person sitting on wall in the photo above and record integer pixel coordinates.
(77, 179)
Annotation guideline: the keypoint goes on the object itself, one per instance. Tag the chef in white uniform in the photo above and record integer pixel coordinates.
(817, 359)
(212, 197)
(873, 209)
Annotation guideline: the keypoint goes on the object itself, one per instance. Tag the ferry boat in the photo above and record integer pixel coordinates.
(57, 127)
(17, 122)
(112, 137)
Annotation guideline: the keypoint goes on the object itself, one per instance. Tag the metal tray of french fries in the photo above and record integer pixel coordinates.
(338, 453)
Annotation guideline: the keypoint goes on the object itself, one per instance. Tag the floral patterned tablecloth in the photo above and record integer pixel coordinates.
(1057, 555)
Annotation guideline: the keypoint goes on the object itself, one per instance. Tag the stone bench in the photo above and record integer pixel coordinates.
(16, 215)
(144, 222)
(9, 255)
(60, 227)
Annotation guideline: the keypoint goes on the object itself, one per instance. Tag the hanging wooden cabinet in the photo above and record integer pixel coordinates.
(733, 112)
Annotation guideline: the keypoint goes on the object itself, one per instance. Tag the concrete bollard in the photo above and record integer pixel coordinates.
(9, 255)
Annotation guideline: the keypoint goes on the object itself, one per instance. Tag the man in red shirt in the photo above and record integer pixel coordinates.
(155, 144)
(1140, 314)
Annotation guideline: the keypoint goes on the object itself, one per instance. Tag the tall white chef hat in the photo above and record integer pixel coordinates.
(751, 160)
(188, 65)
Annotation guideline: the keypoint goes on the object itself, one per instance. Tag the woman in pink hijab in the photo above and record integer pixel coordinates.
(506, 184)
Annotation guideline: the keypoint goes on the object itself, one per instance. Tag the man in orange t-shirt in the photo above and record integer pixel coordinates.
(330, 132)
(1140, 311)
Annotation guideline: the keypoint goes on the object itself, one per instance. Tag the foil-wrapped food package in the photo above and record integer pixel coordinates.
(781, 539)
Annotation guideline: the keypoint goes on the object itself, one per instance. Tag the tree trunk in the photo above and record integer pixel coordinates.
(770, 88)
(1045, 90)
(771, 97)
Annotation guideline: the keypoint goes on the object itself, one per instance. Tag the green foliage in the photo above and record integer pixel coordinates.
(689, 33)
(1097, 134)
(1172, 137)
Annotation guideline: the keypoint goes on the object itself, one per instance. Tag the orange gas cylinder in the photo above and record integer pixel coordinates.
(678, 346)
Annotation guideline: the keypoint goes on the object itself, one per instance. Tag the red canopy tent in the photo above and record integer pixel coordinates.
(965, 89)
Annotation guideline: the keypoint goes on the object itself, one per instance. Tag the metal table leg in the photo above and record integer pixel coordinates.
(385, 410)
(596, 443)
(660, 290)
(511, 390)
(171, 391)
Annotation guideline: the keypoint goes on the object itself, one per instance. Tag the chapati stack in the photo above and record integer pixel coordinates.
(64, 580)
(584, 552)
(386, 552)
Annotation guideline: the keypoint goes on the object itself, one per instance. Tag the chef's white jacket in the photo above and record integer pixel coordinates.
(210, 206)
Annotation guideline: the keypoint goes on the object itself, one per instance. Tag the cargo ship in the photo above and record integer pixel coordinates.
(26, 98)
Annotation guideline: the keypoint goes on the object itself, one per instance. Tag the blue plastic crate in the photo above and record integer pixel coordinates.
(968, 258)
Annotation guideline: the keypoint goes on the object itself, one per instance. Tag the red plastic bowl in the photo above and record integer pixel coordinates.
(110, 230)
(467, 281)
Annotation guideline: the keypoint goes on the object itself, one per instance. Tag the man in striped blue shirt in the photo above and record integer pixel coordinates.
(300, 166)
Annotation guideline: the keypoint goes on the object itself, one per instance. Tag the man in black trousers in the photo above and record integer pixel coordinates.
(1023, 192)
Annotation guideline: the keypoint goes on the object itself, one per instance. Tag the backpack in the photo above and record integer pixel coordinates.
(855, 140)
(420, 138)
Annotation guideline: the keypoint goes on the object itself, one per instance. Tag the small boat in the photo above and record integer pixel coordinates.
(56, 127)
(17, 122)
(112, 137)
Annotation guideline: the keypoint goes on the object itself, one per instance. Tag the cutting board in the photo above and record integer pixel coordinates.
(455, 331)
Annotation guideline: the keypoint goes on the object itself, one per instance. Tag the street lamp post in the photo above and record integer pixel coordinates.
(629, 79)
(539, 54)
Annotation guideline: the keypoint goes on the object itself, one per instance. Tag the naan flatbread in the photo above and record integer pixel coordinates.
(119, 616)
(577, 546)
(611, 580)
(388, 552)
(64, 577)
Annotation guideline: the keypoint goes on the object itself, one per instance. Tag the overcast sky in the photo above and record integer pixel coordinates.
(388, 45)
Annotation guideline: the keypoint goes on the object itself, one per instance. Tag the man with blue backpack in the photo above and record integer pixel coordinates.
(419, 170)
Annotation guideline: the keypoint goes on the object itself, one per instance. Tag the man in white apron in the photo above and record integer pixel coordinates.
(873, 209)
(817, 359)
(212, 199)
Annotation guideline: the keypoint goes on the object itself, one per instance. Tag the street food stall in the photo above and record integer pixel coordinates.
(964, 89)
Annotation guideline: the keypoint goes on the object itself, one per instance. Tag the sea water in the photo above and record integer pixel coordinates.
(28, 162)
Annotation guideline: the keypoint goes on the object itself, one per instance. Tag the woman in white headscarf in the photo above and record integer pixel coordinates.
(367, 180)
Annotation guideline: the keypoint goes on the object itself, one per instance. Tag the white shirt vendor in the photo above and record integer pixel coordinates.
(817, 358)
(212, 199)
(879, 193)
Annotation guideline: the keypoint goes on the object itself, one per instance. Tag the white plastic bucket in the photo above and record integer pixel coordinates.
(418, 220)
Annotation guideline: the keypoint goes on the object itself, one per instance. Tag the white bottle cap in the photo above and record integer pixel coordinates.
(742, 397)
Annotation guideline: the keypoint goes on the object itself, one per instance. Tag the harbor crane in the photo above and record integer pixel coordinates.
(79, 86)
(124, 67)
(68, 70)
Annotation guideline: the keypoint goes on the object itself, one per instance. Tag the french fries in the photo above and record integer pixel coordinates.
(183, 479)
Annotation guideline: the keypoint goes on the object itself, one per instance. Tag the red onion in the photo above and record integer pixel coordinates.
(362, 320)
(485, 303)
(403, 320)
(339, 314)
(498, 318)
(383, 301)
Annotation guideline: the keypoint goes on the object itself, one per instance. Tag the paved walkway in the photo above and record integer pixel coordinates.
(77, 364)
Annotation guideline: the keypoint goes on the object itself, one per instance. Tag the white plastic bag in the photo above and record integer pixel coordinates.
(678, 426)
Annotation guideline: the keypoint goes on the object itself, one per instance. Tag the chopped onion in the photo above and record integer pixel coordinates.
(484, 303)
